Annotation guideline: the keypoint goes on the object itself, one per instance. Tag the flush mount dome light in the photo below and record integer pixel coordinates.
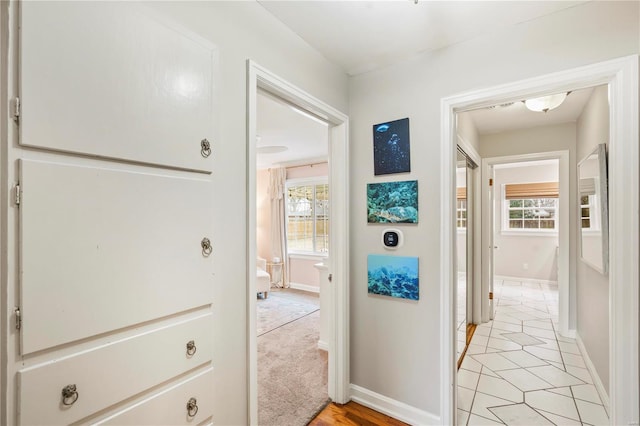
(274, 149)
(545, 103)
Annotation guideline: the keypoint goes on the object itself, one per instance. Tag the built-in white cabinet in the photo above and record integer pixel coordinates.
(104, 375)
(184, 403)
(111, 286)
(102, 249)
(109, 79)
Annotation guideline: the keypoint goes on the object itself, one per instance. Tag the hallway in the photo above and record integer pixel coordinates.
(519, 371)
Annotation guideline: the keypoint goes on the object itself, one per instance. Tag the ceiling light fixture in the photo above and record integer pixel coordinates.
(545, 103)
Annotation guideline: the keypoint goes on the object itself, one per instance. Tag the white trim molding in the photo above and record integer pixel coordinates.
(304, 287)
(259, 77)
(597, 382)
(392, 408)
(523, 279)
(622, 77)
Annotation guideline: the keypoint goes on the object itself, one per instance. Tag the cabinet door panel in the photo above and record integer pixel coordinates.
(169, 406)
(104, 249)
(108, 79)
(113, 372)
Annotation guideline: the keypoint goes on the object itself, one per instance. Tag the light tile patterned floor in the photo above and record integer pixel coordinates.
(519, 371)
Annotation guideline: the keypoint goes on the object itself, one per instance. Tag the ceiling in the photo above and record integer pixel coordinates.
(280, 124)
(361, 36)
(517, 116)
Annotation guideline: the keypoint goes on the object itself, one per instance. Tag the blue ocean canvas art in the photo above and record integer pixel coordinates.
(392, 202)
(394, 276)
(391, 151)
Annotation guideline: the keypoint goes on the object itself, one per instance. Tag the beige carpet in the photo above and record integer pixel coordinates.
(292, 371)
(283, 306)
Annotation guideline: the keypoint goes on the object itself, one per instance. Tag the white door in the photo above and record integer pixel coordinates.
(488, 242)
(492, 246)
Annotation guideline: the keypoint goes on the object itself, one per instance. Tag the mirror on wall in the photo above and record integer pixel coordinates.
(461, 245)
(465, 256)
(592, 196)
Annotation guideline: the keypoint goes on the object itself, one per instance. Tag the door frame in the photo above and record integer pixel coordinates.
(622, 77)
(259, 77)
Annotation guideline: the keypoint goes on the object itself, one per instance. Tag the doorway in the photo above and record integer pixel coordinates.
(622, 75)
(292, 239)
(260, 78)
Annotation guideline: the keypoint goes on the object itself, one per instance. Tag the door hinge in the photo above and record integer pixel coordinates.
(490, 295)
(17, 194)
(490, 182)
(16, 109)
(18, 318)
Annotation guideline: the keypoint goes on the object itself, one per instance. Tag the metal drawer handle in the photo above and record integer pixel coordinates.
(69, 395)
(205, 148)
(191, 347)
(192, 407)
(206, 247)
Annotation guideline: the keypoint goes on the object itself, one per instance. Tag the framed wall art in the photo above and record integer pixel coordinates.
(391, 150)
(392, 202)
(395, 276)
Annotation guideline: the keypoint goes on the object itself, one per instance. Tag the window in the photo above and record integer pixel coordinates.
(308, 217)
(461, 214)
(532, 213)
(531, 206)
(588, 212)
(461, 207)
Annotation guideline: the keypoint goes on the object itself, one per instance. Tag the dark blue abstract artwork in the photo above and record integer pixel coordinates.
(394, 276)
(392, 202)
(391, 152)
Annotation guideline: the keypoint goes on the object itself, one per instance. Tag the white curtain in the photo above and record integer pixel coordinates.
(277, 179)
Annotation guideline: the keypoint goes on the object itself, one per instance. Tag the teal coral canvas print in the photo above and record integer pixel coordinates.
(392, 202)
(395, 276)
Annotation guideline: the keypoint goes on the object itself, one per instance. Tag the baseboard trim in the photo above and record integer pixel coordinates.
(571, 334)
(396, 409)
(538, 280)
(594, 374)
(322, 345)
(304, 287)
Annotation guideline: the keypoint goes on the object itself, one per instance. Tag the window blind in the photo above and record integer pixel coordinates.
(461, 193)
(532, 190)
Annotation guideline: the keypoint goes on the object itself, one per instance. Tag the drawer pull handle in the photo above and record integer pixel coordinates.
(191, 348)
(192, 407)
(69, 395)
(205, 148)
(206, 247)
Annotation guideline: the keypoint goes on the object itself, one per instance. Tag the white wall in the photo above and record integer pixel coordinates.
(592, 287)
(537, 250)
(395, 345)
(467, 131)
(244, 30)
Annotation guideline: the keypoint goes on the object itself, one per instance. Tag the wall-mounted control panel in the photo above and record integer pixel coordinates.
(392, 238)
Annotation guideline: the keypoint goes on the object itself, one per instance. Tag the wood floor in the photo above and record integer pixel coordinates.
(352, 414)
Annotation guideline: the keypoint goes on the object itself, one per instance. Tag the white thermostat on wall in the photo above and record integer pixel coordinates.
(392, 238)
